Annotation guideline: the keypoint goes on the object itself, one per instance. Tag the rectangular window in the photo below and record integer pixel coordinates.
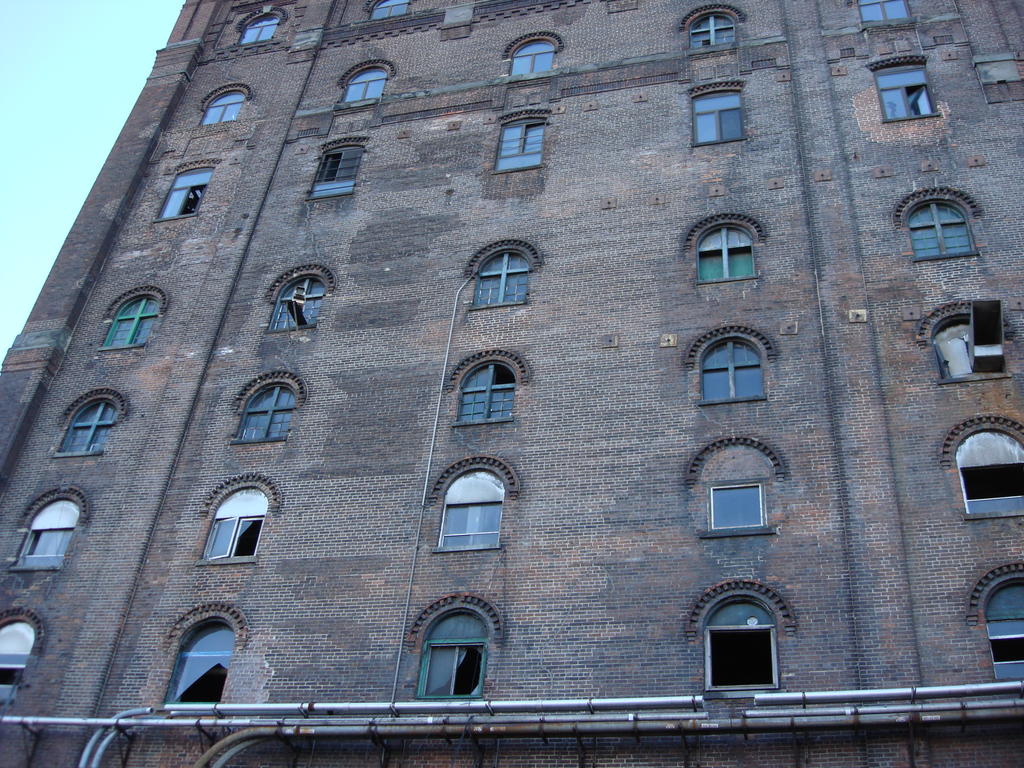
(337, 172)
(904, 94)
(521, 146)
(737, 506)
(471, 526)
(186, 193)
(741, 658)
(717, 117)
(879, 10)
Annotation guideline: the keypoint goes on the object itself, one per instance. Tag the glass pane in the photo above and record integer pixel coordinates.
(254, 426)
(925, 242)
(142, 330)
(710, 267)
(718, 357)
(51, 543)
(738, 239)
(493, 266)
(715, 385)
(516, 287)
(17, 638)
(248, 502)
(744, 355)
(748, 382)
(475, 487)
(988, 448)
(732, 125)
(488, 291)
(715, 103)
(467, 671)
(741, 614)
(948, 213)
(735, 507)
(279, 423)
(440, 670)
(1006, 603)
(457, 626)
(220, 539)
(712, 241)
(955, 238)
(174, 203)
(895, 9)
(922, 217)
(374, 89)
(534, 139)
(706, 127)
(473, 406)
(951, 344)
(212, 639)
(477, 380)
(893, 79)
(520, 65)
(920, 104)
(892, 102)
(501, 404)
(543, 62)
(741, 264)
(59, 514)
(871, 12)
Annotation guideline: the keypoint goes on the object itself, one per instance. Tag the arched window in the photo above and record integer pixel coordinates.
(714, 29)
(298, 304)
(952, 350)
(502, 279)
(1004, 620)
(487, 394)
(538, 56)
(731, 370)
(260, 29)
(267, 415)
(739, 646)
(237, 525)
(454, 658)
(878, 10)
(939, 229)
(385, 9)
(49, 534)
(991, 468)
(472, 512)
(133, 322)
(368, 84)
(725, 253)
(16, 641)
(202, 667)
(224, 108)
(89, 428)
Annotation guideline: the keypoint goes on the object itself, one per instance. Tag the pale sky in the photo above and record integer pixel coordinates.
(72, 70)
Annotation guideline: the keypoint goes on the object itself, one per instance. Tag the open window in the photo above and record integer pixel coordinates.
(203, 663)
(49, 535)
(237, 525)
(16, 641)
(186, 193)
(472, 512)
(298, 305)
(969, 344)
(268, 415)
(991, 468)
(488, 393)
(740, 647)
(1004, 620)
(454, 658)
(521, 146)
(337, 172)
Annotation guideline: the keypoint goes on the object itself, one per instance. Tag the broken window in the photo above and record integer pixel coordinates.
(538, 56)
(992, 473)
(202, 667)
(736, 506)
(712, 30)
(904, 93)
(740, 647)
(1004, 619)
(951, 344)
(971, 344)
(224, 108)
(878, 10)
(337, 172)
(725, 253)
(939, 229)
(717, 117)
(731, 370)
(503, 279)
(133, 322)
(454, 656)
(260, 29)
(237, 525)
(186, 193)
(487, 393)
(268, 414)
(89, 428)
(472, 512)
(298, 304)
(368, 84)
(49, 535)
(521, 146)
(16, 641)
(385, 9)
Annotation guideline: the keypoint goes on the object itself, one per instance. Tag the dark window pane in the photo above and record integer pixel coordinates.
(1008, 649)
(715, 385)
(748, 382)
(741, 658)
(248, 536)
(440, 671)
(711, 266)
(467, 671)
(732, 126)
(735, 507)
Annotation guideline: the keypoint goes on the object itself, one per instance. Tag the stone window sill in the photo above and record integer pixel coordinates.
(178, 218)
(227, 560)
(475, 307)
(716, 281)
(943, 256)
(121, 347)
(445, 550)
(910, 117)
(754, 399)
(746, 530)
(73, 454)
(717, 141)
(515, 170)
(502, 420)
(259, 442)
(974, 377)
(991, 515)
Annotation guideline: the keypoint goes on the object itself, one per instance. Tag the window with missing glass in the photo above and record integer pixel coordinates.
(454, 658)
(16, 641)
(186, 193)
(713, 29)
(487, 394)
(1004, 623)
(472, 512)
(521, 146)
(337, 172)
(49, 535)
(268, 415)
(737, 506)
(991, 466)
(725, 253)
(133, 323)
(89, 428)
(731, 370)
(503, 279)
(717, 117)
(298, 305)
(882, 10)
(237, 525)
(904, 94)
(202, 667)
(739, 642)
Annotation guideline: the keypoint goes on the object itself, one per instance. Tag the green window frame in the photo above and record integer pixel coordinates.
(90, 427)
(502, 279)
(488, 394)
(312, 291)
(454, 660)
(267, 416)
(133, 323)
(725, 253)
(939, 229)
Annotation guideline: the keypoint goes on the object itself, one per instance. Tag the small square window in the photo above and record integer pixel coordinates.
(186, 193)
(904, 94)
(337, 172)
(717, 117)
(737, 506)
(881, 10)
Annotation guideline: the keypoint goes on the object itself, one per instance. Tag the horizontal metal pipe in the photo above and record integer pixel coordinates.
(890, 694)
(481, 706)
(878, 709)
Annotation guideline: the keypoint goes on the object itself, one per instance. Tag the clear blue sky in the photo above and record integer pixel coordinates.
(72, 70)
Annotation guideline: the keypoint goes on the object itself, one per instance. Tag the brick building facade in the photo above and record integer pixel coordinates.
(668, 347)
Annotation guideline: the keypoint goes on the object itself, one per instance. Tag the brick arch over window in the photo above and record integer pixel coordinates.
(194, 165)
(243, 22)
(148, 291)
(285, 378)
(525, 249)
(354, 70)
(948, 194)
(454, 603)
(524, 114)
(30, 617)
(548, 37)
(69, 493)
(699, 345)
(705, 10)
(696, 465)
(215, 611)
(987, 584)
(981, 423)
(242, 88)
(344, 141)
(501, 468)
(513, 360)
(119, 401)
(720, 220)
(737, 588)
(240, 482)
(320, 272)
(926, 325)
(723, 85)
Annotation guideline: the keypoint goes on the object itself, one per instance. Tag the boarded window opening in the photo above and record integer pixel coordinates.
(741, 658)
